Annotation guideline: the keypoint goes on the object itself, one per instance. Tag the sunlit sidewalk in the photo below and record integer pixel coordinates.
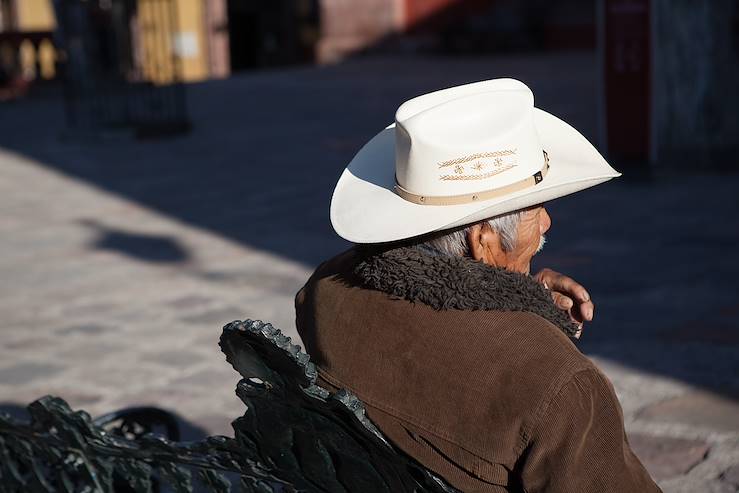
(121, 260)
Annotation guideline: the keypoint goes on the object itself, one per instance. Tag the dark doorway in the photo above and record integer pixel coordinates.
(268, 34)
(243, 28)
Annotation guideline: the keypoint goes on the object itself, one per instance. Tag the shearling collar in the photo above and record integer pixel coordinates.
(456, 283)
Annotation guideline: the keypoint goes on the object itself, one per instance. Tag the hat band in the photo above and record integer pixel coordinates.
(467, 198)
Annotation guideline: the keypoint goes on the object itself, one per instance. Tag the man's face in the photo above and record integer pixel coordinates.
(485, 243)
(534, 223)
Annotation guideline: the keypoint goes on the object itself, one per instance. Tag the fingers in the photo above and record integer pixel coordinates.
(569, 286)
(563, 302)
(544, 276)
(559, 282)
(580, 312)
(569, 293)
(587, 310)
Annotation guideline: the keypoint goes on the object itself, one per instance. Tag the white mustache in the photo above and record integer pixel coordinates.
(542, 242)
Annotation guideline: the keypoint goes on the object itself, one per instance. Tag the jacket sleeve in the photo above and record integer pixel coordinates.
(579, 445)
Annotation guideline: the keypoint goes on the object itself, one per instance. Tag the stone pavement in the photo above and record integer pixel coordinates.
(121, 260)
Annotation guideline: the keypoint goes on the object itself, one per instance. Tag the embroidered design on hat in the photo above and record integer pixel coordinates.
(480, 166)
(479, 176)
(471, 157)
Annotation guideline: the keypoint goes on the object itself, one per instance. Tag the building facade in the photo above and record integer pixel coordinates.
(194, 32)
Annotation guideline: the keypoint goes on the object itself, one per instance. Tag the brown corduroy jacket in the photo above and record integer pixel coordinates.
(469, 370)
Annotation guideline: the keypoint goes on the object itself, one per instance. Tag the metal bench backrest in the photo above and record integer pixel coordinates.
(293, 436)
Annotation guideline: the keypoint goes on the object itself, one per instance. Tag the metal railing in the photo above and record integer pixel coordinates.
(30, 55)
(122, 69)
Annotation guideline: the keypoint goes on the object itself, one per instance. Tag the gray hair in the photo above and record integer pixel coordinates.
(454, 242)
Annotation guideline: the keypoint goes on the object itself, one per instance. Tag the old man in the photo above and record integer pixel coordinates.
(464, 360)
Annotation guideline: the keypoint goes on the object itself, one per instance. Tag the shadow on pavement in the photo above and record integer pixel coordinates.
(144, 247)
(267, 148)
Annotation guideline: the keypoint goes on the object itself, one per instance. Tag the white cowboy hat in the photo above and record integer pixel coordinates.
(458, 156)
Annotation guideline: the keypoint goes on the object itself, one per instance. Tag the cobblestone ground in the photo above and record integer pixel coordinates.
(120, 260)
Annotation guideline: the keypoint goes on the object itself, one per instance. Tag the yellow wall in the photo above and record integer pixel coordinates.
(35, 15)
(155, 48)
(188, 38)
(188, 41)
(191, 27)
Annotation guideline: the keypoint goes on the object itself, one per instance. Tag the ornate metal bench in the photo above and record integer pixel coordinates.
(294, 436)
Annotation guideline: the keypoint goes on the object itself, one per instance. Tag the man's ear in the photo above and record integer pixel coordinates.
(474, 241)
(484, 243)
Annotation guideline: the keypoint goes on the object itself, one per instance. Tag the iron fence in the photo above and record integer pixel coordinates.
(121, 66)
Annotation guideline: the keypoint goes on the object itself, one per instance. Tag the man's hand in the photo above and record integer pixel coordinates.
(568, 295)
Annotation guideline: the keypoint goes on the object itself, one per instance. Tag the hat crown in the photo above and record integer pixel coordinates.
(467, 139)
(393, 188)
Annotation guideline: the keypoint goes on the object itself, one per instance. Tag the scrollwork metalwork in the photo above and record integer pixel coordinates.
(294, 436)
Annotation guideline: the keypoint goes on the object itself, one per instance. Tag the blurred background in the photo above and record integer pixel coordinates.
(166, 167)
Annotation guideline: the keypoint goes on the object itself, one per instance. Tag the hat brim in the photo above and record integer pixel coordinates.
(366, 209)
